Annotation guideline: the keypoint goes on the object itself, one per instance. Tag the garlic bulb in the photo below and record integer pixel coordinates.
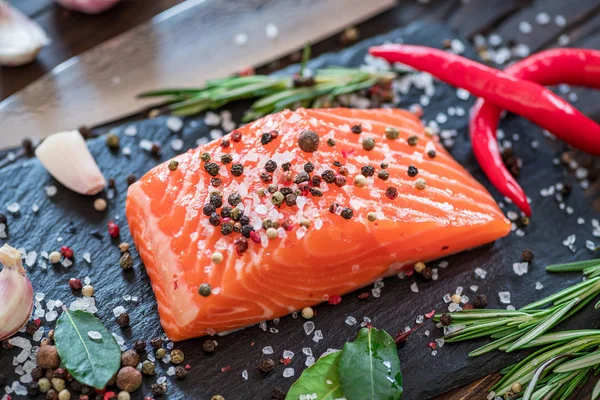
(68, 159)
(20, 37)
(16, 293)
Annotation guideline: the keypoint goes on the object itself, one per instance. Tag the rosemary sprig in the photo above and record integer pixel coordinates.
(273, 93)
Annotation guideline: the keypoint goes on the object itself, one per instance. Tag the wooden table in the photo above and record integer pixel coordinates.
(74, 33)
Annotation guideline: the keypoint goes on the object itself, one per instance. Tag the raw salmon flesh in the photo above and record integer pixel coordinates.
(296, 207)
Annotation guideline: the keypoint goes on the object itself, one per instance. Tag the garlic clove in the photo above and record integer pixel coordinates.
(68, 159)
(16, 293)
(20, 37)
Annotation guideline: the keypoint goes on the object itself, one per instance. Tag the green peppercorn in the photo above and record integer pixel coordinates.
(112, 141)
(308, 141)
(237, 169)
(236, 214)
(372, 216)
(148, 367)
(126, 261)
(177, 356)
(173, 165)
(383, 175)
(412, 140)
(368, 144)
(160, 353)
(204, 290)
(391, 133)
(272, 188)
(278, 198)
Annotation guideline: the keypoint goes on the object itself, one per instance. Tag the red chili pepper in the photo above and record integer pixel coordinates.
(577, 67)
(113, 229)
(522, 97)
(66, 251)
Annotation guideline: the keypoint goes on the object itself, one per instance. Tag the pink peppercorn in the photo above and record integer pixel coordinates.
(113, 229)
(335, 300)
(66, 251)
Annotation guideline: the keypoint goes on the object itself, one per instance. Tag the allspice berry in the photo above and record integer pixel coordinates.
(130, 358)
(209, 346)
(266, 365)
(156, 343)
(181, 372)
(129, 379)
(47, 357)
(308, 141)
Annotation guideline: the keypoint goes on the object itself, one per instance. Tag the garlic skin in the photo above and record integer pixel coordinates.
(16, 293)
(68, 159)
(20, 37)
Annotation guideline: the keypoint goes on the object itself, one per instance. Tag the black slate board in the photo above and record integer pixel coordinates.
(72, 218)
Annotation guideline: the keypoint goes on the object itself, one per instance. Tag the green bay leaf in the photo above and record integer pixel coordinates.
(314, 380)
(92, 362)
(369, 367)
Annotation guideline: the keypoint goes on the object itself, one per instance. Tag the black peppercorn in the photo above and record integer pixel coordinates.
(156, 343)
(214, 219)
(278, 394)
(208, 209)
(412, 171)
(244, 220)
(266, 177)
(131, 179)
(446, 319)
(480, 301)
(241, 244)
(383, 175)
(347, 213)
(226, 212)
(333, 207)
(139, 346)
(3, 219)
(391, 192)
(384, 165)
(37, 373)
(216, 200)
(266, 138)
(356, 129)
(30, 328)
(290, 199)
(226, 158)
(226, 228)
(427, 273)
(180, 372)
(431, 154)
(337, 164)
(225, 143)
(155, 149)
(315, 180)
(301, 177)
(52, 394)
(266, 365)
(527, 255)
(309, 167)
(308, 141)
(216, 182)
(328, 176)
(367, 171)
(246, 229)
(237, 169)
(234, 199)
(205, 157)
(315, 191)
(330, 142)
(123, 320)
(237, 227)
(33, 389)
(286, 166)
(271, 166)
(27, 147)
(209, 346)
(340, 180)
(212, 168)
(126, 261)
(286, 190)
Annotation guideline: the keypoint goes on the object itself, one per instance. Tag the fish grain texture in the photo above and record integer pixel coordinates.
(302, 266)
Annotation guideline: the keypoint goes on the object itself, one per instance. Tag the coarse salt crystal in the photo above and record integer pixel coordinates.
(309, 327)
(87, 257)
(118, 311)
(520, 268)
(95, 335)
(288, 372)
(288, 354)
(13, 207)
(504, 297)
(539, 286)
(245, 374)
(177, 144)
(318, 336)
(174, 124)
(447, 298)
(480, 273)
(267, 350)
(271, 30)
(525, 27)
(414, 287)
(310, 360)
(350, 320)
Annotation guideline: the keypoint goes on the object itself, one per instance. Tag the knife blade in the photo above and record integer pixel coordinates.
(183, 46)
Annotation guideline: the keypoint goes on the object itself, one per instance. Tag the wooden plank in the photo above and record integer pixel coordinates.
(573, 12)
(72, 33)
(475, 390)
(101, 85)
(480, 15)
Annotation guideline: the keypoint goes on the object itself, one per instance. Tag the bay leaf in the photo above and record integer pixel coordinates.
(92, 362)
(314, 380)
(369, 367)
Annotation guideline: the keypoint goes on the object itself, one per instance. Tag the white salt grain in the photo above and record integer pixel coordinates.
(288, 372)
(13, 207)
(245, 374)
(414, 287)
(504, 297)
(87, 257)
(539, 286)
(309, 327)
(267, 350)
(350, 320)
(271, 30)
(177, 144)
(95, 335)
(174, 124)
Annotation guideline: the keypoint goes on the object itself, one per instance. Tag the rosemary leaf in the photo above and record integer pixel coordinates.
(565, 292)
(589, 360)
(564, 336)
(543, 327)
(596, 391)
(538, 374)
(578, 266)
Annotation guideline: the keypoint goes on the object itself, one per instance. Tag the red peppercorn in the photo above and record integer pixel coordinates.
(75, 283)
(255, 237)
(110, 395)
(285, 361)
(432, 345)
(236, 136)
(66, 251)
(364, 295)
(335, 300)
(113, 229)
(274, 134)
(225, 369)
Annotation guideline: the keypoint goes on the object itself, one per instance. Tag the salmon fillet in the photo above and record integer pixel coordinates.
(326, 238)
